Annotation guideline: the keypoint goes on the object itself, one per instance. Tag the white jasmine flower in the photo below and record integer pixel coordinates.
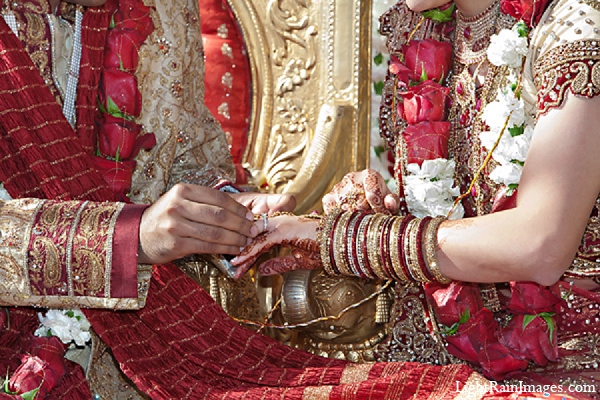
(509, 174)
(506, 104)
(507, 48)
(68, 325)
(430, 189)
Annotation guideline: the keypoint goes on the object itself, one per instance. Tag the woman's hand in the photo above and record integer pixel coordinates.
(297, 232)
(263, 203)
(365, 190)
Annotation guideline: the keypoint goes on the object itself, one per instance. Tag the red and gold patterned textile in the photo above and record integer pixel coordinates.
(182, 345)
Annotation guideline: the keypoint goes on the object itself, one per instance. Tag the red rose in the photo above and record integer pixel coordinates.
(503, 200)
(451, 301)
(478, 331)
(121, 88)
(404, 74)
(426, 141)
(429, 57)
(117, 136)
(122, 49)
(424, 102)
(117, 175)
(531, 298)
(529, 11)
(42, 369)
(133, 14)
(497, 363)
(535, 342)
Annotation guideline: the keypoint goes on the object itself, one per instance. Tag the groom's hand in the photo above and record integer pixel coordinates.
(192, 219)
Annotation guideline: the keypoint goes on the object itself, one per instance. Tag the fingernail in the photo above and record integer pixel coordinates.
(253, 232)
(250, 216)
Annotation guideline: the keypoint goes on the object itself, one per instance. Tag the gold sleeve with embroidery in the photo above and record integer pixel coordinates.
(59, 254)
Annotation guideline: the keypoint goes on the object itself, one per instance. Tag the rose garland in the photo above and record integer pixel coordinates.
(120, 138)
(472, 331)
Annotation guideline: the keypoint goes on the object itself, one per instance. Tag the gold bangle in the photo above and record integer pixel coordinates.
(373, 253)
(412, 254)
(324, 240)
(361, 246)
(350, 240)
(430, 245)
(339, 244)
(395, 250)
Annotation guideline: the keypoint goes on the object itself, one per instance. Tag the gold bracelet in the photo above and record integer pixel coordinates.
(339, 244)
(350, 242)
(324, 240)
(361, 246)
(373, 239)
(395, 250)
(412, 254)
(430, 245)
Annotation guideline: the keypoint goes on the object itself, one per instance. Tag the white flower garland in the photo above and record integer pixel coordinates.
(508, 48)
(430, 189)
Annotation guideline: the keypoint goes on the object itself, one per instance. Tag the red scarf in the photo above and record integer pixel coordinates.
(43, 156)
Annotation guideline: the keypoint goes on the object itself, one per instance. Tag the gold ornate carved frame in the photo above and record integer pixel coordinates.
(311, 66)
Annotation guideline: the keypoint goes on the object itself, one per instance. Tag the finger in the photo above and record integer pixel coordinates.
(375, 188)
(204, 195)
(217, 217)
(392, 203)
(212, 234)
(279, 265)
(250, 253)
(281, 202)
(329, 203)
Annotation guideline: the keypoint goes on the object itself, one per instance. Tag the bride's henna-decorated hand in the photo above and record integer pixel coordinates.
(297, 232)
(365, 190)
(305, 255)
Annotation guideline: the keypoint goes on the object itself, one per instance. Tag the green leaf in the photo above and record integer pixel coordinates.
(521, 163)
(378, 150)
(378, 86)
(465, 317)
(438, 15)
(516, 130)
(48, 332)
(550, 322)
(69, 313)
(30, 395)
(511, 189)
(112, 108)
(450, 330)
(101, 107)
(527, 320)
(522, 29)
(423, 73)
(378, 59)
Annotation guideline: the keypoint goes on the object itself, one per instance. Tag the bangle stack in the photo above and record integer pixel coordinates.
(379, 246)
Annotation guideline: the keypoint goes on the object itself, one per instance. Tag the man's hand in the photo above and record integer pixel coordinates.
(191, 219)
(365, 190)
(262, 203)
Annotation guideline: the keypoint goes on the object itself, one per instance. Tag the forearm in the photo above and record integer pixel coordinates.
(70, 254)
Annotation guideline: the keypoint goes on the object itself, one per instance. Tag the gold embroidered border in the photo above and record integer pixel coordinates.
(592, 3)
(22, 300)
(92, 249)
(16, 222)
(68, 248)
(573, 66)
